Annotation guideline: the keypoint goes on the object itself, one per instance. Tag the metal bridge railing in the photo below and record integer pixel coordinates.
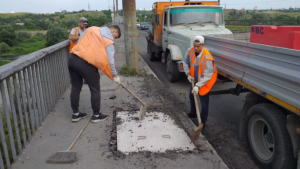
(30, 88)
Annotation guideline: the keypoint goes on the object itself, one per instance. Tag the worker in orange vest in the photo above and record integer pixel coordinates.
(200, 68)
(94, 50)
(76, 32)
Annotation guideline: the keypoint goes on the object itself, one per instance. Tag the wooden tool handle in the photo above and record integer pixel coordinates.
(132, 93)
(196, 102)
(80, 133)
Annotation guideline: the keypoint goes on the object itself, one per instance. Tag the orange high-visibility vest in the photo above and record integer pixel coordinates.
(92, 48)
(73, 42)
(205, 56)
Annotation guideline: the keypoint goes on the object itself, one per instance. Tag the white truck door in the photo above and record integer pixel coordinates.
(165, 29)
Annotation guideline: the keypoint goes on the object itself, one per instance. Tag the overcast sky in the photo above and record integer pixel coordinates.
(37, 6)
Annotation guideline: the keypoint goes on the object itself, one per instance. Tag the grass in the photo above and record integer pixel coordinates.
(3, 62)
(236, 27)
(125, 70)
(25, 47)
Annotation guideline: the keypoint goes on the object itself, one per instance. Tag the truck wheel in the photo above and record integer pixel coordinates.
(152, 56)
(172, 70)
(268, 137)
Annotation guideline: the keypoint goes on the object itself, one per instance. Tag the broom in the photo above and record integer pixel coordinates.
(67, 156)
(198, 129)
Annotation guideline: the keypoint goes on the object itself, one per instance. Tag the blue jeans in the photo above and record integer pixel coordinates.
(204, 100)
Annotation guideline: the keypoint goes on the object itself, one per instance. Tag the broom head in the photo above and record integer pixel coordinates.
(63, 157)
(197, 132)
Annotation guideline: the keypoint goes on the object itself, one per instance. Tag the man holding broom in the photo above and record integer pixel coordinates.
(94, 50)
(200, 68)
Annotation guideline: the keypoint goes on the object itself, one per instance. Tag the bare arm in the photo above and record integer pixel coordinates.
(73, 37)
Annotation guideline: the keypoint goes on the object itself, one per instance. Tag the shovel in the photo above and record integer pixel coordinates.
(198, 129)
(142, 111)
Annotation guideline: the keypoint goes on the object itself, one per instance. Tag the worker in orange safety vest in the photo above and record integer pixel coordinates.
(94, 50)
(76, 32)
(200, 67)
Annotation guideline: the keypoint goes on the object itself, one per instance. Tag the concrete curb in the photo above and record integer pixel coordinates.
(147, 69)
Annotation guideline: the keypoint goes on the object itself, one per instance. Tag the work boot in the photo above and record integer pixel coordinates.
(192, 115)
(76, 118)
(99, 117)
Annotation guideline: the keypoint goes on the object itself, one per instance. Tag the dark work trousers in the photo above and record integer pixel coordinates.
(204, 100)
(79, 69)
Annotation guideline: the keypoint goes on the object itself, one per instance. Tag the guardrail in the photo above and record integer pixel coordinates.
(30, 87)
(271, 70)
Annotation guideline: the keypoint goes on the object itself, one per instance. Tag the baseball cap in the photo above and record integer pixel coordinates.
(83, 20)
(199, 40)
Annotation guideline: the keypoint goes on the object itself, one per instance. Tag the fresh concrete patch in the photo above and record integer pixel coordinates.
(157, 133)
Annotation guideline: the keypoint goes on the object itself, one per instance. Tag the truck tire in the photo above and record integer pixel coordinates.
(172, 70)
(268, 137)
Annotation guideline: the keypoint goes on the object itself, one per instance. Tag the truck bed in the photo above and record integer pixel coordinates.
(272, 72)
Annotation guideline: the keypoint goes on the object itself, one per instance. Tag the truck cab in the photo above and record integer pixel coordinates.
(175, 27)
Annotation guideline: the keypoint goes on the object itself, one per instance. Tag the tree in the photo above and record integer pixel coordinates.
(7, 35)
(29, 24)
(4, 47)
(55, 34)
(72, 23)
(23, 36)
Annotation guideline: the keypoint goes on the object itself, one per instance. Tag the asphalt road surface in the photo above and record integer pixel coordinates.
(222, 128)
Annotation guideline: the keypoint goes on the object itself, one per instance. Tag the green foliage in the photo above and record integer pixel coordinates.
(29, 24)
(4, 62)
(62, 16)
(21, 36)
(259, 16)
(298, 19)
(7, 35)
(72, 23)
(40, 36)
(4, 47)
(55, 34)
(125, 70)
(285, 20)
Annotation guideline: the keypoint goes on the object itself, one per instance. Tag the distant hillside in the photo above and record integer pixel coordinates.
(33, 22)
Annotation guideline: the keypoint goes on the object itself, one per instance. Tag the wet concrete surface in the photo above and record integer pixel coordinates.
(222, 129)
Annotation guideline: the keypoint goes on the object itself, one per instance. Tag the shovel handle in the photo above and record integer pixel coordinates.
(197, 106)
(132, 93)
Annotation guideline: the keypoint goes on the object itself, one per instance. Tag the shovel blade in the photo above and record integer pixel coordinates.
(196, 132)
(142, 111)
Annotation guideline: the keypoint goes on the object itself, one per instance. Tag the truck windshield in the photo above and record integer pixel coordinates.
(196, 15)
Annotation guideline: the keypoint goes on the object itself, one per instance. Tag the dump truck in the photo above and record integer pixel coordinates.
(270, 75)
(174, 26)
(270, 118)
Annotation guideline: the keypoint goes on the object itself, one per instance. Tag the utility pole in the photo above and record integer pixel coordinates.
(130, 31)
(117, 10)
(114, 11)
(89, 6)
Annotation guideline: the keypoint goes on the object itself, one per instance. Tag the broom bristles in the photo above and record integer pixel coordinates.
(62, 157)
